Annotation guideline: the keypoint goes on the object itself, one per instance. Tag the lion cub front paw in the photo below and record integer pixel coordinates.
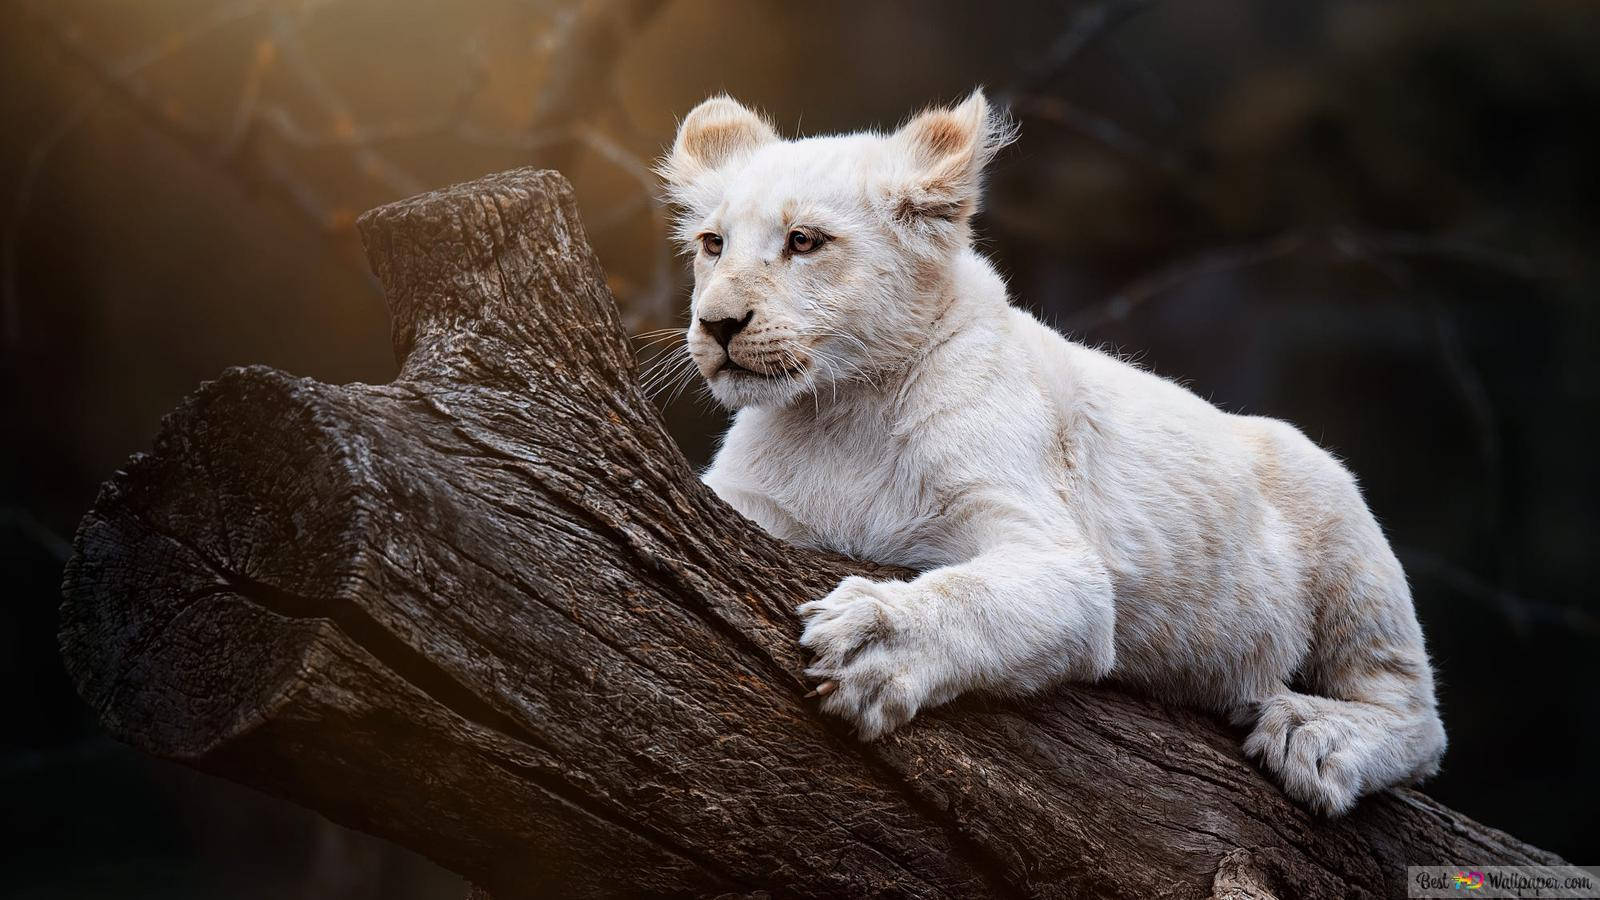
(875, 671)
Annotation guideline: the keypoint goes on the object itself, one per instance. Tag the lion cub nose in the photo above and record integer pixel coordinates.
(724, 329)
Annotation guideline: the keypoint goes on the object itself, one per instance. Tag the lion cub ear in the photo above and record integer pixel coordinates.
(714, 133)
(943, 153)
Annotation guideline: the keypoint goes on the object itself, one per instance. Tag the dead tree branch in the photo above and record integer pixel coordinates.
(488, 611)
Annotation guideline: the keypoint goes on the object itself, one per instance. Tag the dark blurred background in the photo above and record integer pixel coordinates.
(1377, 219)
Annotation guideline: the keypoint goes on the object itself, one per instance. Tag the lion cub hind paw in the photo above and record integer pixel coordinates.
(1312, 751)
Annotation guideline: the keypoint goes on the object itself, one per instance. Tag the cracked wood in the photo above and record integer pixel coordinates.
(488, 611)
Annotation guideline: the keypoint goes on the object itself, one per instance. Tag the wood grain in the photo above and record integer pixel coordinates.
(487, 611)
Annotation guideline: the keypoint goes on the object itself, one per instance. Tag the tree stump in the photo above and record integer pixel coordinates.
(488, 611)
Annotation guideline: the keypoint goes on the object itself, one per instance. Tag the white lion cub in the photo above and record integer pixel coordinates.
(1073, 516)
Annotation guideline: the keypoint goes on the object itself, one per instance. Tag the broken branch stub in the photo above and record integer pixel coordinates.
(488, 611)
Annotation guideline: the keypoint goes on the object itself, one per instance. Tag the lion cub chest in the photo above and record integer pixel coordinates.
(849, 482)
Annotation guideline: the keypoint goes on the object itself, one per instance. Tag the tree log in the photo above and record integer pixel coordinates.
(488, 612)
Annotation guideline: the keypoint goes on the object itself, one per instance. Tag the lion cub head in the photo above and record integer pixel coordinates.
(820, 260)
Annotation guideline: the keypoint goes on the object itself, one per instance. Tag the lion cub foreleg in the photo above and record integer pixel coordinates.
(1012, 620)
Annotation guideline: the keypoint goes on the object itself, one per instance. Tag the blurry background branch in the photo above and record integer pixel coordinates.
(1380, 250)
(261, 137)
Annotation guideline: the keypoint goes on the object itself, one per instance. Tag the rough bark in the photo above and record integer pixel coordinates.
(488, 611)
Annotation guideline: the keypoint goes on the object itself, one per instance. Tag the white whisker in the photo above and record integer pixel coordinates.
(673, 365)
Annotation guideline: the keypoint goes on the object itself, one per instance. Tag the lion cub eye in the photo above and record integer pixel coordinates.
(803, 241)
(711, 244)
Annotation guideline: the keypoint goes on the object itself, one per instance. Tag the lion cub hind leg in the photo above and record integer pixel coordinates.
(1327, 753)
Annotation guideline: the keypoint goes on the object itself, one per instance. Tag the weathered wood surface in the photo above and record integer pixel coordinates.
(488, 611)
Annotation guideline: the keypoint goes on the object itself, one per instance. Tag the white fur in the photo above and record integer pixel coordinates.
(1072, 516)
